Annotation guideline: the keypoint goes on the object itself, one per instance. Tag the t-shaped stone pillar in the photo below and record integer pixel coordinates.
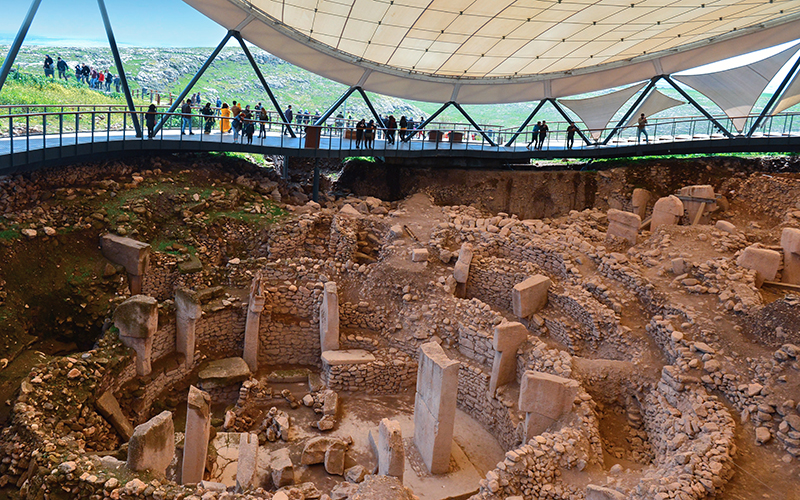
(790, 242)
(251, 328)
(329, 318)
(133, 255)
(530, 296)
(639, 201)
(623, 225)
(544, 398)
(187, 312)
(508, 336)
(137, 322)
(435, 406)
(666, 212)
(198, 430)
(391, 452)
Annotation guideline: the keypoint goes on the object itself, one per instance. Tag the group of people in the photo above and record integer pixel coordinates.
(97, 79)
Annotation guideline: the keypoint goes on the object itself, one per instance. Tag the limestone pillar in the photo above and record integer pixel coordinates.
(152, 445)
(508, 336)
(391, 452)
(133, 255)
(790, 242)
(639, 201)
(198, 430)
(544, 398)
(435, 406)
(137, 322)
(623, 225)
(666, 211)
(764, 261)
(329, 318)
(530, 296)
(187, 312)
(247, 465)
(461, 269)
(253, 324)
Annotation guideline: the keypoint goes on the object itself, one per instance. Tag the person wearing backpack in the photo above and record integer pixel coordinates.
(263, 117)
(186, 119)
(62, 69)
(48, 66)
(236, 126)
(150, 120)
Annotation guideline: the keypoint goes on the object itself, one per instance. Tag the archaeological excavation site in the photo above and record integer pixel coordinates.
(195, 326)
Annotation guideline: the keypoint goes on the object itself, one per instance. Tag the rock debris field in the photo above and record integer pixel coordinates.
(195, 327)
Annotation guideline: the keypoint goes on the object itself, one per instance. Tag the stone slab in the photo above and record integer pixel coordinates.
(137, 317)
(347, 357)
(419, 255)
(224, 372)
(108, 406)
(390, 449)
(131, 254)
(329, 318)
(547, 394)
(594, 492)
(282, 468)
(666, 211)
(623, 225)
(461, 269)
(762, 260)
(197, 432)
(247, 465)
(790, 242)
(152, 445)
(530, 296)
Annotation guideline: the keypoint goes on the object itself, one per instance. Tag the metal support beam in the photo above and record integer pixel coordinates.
(525, 123)
(118, 62)
(14, 49)
(472, 122)
(632, 109)
(327, 114)
(569, 120)
(697, 106)
(194, 80)
(774, 99)
(426, 122)
(260, 76)
(371, 108)
(315, 191)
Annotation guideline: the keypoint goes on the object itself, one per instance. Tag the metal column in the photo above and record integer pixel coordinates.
(260, 76)
(315, 192)
(569, 120)
(632, 109)
(472, 122)
(194, 80)
(14, 49)
(371, 108)
(698, 107)
(426, 122)
(327, 114)
(526, 122)
(118, 62)
(772, 100)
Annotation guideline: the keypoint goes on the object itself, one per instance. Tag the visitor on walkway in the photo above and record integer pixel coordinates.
(642, 124)
(391, 128)
(86, 72)
(288, 115)
(542, 134)
(150, 120)
(235, 109)
(403, 127)
(369, 135)
(225, 121)
(339, 123)
(186, 119)
(263, 117)
(571, 135)
(61, 65)
(248, 125)
(101, 78)
(535, 136)
(360, 126)
(48, 66)
(219, 104)
(209, 117)
(236, 126)
(109, 78)
(117, 83)
(410, 125)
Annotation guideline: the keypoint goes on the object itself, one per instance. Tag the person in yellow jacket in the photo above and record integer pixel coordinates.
(225, 121)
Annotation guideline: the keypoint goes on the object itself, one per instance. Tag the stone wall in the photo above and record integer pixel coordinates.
(391, 373)
(474, 399)
(491, 279)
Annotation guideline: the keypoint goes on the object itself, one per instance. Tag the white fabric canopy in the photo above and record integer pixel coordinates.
(791, 95)
(489, 52)
(596, 112)
(656, 102)
(736, 90)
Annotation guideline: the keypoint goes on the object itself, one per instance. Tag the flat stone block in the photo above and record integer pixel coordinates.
(247, 466)
(390, 449)
(131, 254)
(508, 336)
(726, 226)
(623, 225)
(137, 317)
(764, 261)
(546, 394)
(594, 492)
(347, 357)
(530, 296)
(419, 255)
(108, 406)
(224, 372)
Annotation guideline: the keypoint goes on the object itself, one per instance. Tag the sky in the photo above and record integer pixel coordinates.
(145, 23)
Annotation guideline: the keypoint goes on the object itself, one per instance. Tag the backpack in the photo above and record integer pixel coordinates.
(237, 122)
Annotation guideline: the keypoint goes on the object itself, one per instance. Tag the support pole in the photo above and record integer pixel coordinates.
(525, 123)
(426, 122)
(371, 108)
(194, 80)
(772, 100)
(118, 62)
(474, 125)
(632, 109)
(697, 106)
(569, 120)
(260, 76)
(14, 49)
(315, 192)
(327, 114)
